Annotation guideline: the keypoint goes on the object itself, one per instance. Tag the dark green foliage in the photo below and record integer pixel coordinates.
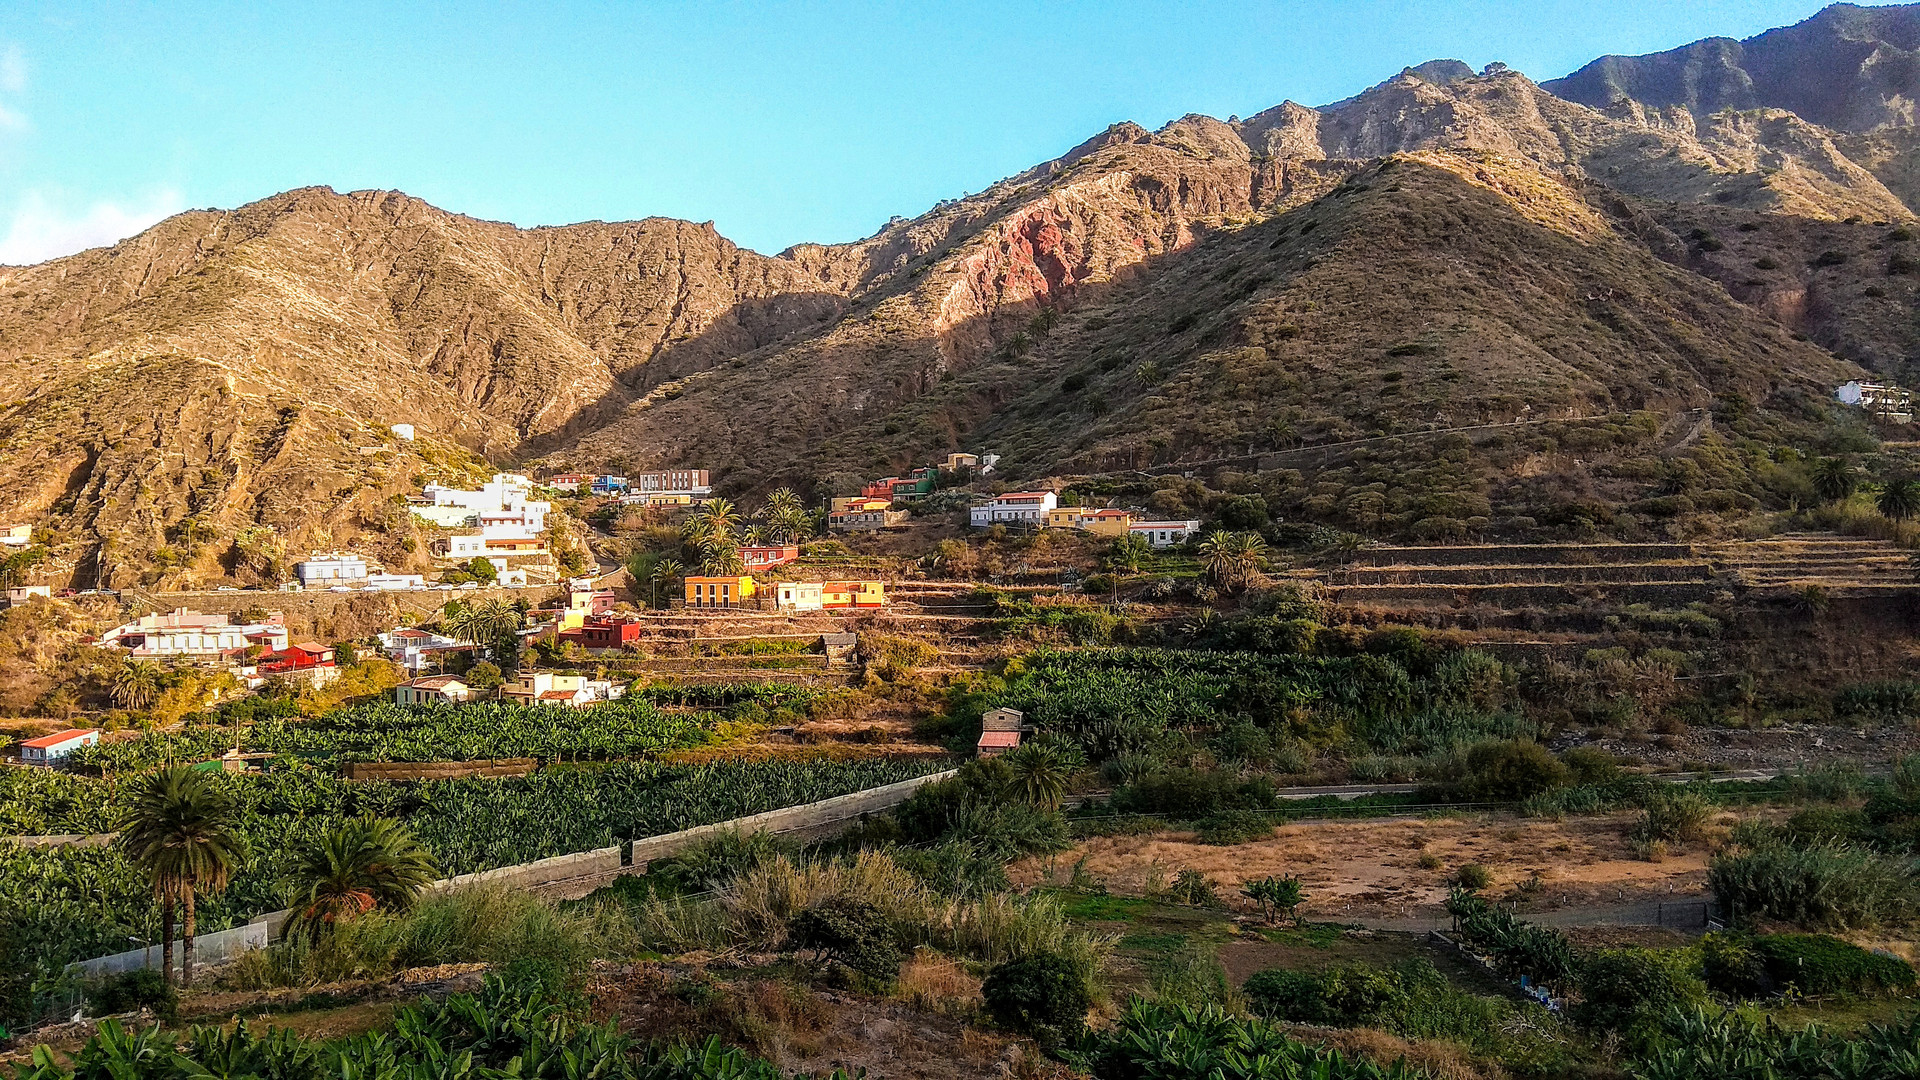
(131, 991)
(1515, 946)
(1891, 700)
(1229, 827)
(503, 1032)
(850, 932)
(1692, 1044)
(1043, 995)
(974, 808)
(1411, 999)
(1155, 1041)
(1192, 794)
(1514, 770)
(713, 862)
(1739, 965)
(1624, 988)
(1818, 886)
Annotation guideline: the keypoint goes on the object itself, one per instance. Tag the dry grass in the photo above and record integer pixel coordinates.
(939, 984)
(1400, 867)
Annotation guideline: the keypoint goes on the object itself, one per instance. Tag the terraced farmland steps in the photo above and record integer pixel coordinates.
(1662, 575)
(1525, 575)
(1839, 564)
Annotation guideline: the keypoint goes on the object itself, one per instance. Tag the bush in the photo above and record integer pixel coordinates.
(1192, 794)
(1820, 965)
(1228, 827)
(851, 932)
(1676, 817)
(1042, 995)
(1819, 887)
(1624, 988)
(1511, 771)
(132, 991)
(1473, 876)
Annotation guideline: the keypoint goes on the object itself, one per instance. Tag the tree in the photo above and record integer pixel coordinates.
(181, 833)
(1231, 560)
(1276, 894)
(755, 535)
(718, 557)
(481, 568)
(787, 519)
(59, 703)
(1833, 478)
(714, 522)
(664, 572)
(484, 676)
(356, 867)
(1899, 499)
(1038, 774)
(1129, 553)
(1042, 994)
(138, 683)
(344, 654)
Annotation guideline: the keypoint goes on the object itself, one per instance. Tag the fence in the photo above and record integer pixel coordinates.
(224, 945)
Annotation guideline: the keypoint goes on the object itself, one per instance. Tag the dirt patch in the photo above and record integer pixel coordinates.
(813, 1031)
(1399, 867)
(1320, 947)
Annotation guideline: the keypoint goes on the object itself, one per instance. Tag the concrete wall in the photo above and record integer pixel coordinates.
(589, 866)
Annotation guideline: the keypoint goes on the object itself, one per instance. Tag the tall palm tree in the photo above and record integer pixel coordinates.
(180, 831)
(1833, 478)
(717, 557)
(1232, 559)
(1216, 556)
(718, 517)
(786, 516)
(358, 866)
(1899, 499)
(137, 684)
(756, 535)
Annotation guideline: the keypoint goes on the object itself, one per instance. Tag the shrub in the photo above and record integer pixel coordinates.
(131, 991)
(1473, 876)
(1191, 794)
(1511, 771)
(852, 932)
(1193, 887)
(1042, 995)
(1624, 988)
(1590, 765)
(1820, 887)
(1677, 817)
(1228, 827)
(1817, 964)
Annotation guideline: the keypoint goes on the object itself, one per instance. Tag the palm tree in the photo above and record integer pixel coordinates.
(720, 557)
(1899, 499)
(786, 516)
(1232, 559)
(756, 535)
(1216, 555)
(482, 623)
(358, 866)
(718, 517)
(1129, 552)
(1038, 774)
(664, 571)
(181, 833)
(1833, 478)
(137, 684)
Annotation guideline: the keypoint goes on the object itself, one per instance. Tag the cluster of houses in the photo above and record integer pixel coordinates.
(529, 688)
(343, 571)
(663, 487)
(1892, 404)
(1042, 510)
(255, 651)
(510, 522)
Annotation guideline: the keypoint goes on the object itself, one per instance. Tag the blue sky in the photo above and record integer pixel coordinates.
(779, 122)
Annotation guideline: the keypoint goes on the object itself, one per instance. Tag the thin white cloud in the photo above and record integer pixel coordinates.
(41, 229)
(13, 69)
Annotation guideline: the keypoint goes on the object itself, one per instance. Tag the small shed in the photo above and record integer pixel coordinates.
(1003, 720)
(839, 647)
(993, 743)
(48, 749)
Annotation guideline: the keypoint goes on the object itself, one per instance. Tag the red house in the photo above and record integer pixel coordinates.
(603, 633)
(305, 656)
(763, 558)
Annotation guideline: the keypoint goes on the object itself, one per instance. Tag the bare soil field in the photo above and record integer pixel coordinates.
(1399, 867)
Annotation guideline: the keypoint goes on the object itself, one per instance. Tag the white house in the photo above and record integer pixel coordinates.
(432, 690)
(16, 536)
(1893, 402)
(1164, 533)
(395, 581)
(552, 688)
(1016, 508)
(324, 569)
(184, 632)
(48, 749)
(414, 649)
(24, 593)
(801, 596)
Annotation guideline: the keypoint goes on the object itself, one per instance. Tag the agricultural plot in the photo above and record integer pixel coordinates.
(63, 904)
(383, 731)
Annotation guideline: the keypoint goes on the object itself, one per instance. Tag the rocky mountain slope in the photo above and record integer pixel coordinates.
(1447, 248)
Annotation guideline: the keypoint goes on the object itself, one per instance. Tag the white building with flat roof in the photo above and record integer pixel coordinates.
(1015, 508)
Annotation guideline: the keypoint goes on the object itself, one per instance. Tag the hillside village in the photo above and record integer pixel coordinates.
(1424, 588)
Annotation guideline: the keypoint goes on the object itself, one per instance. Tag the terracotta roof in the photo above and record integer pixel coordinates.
(59, 737)
(559, 695)
(999, 738)
(436, 682)
(311, 647)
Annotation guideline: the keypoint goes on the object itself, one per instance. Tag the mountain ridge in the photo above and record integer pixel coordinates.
(228, 371)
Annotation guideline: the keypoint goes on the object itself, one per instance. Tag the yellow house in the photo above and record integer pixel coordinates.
(718, 591)
(853, 594)
(1108, 523)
